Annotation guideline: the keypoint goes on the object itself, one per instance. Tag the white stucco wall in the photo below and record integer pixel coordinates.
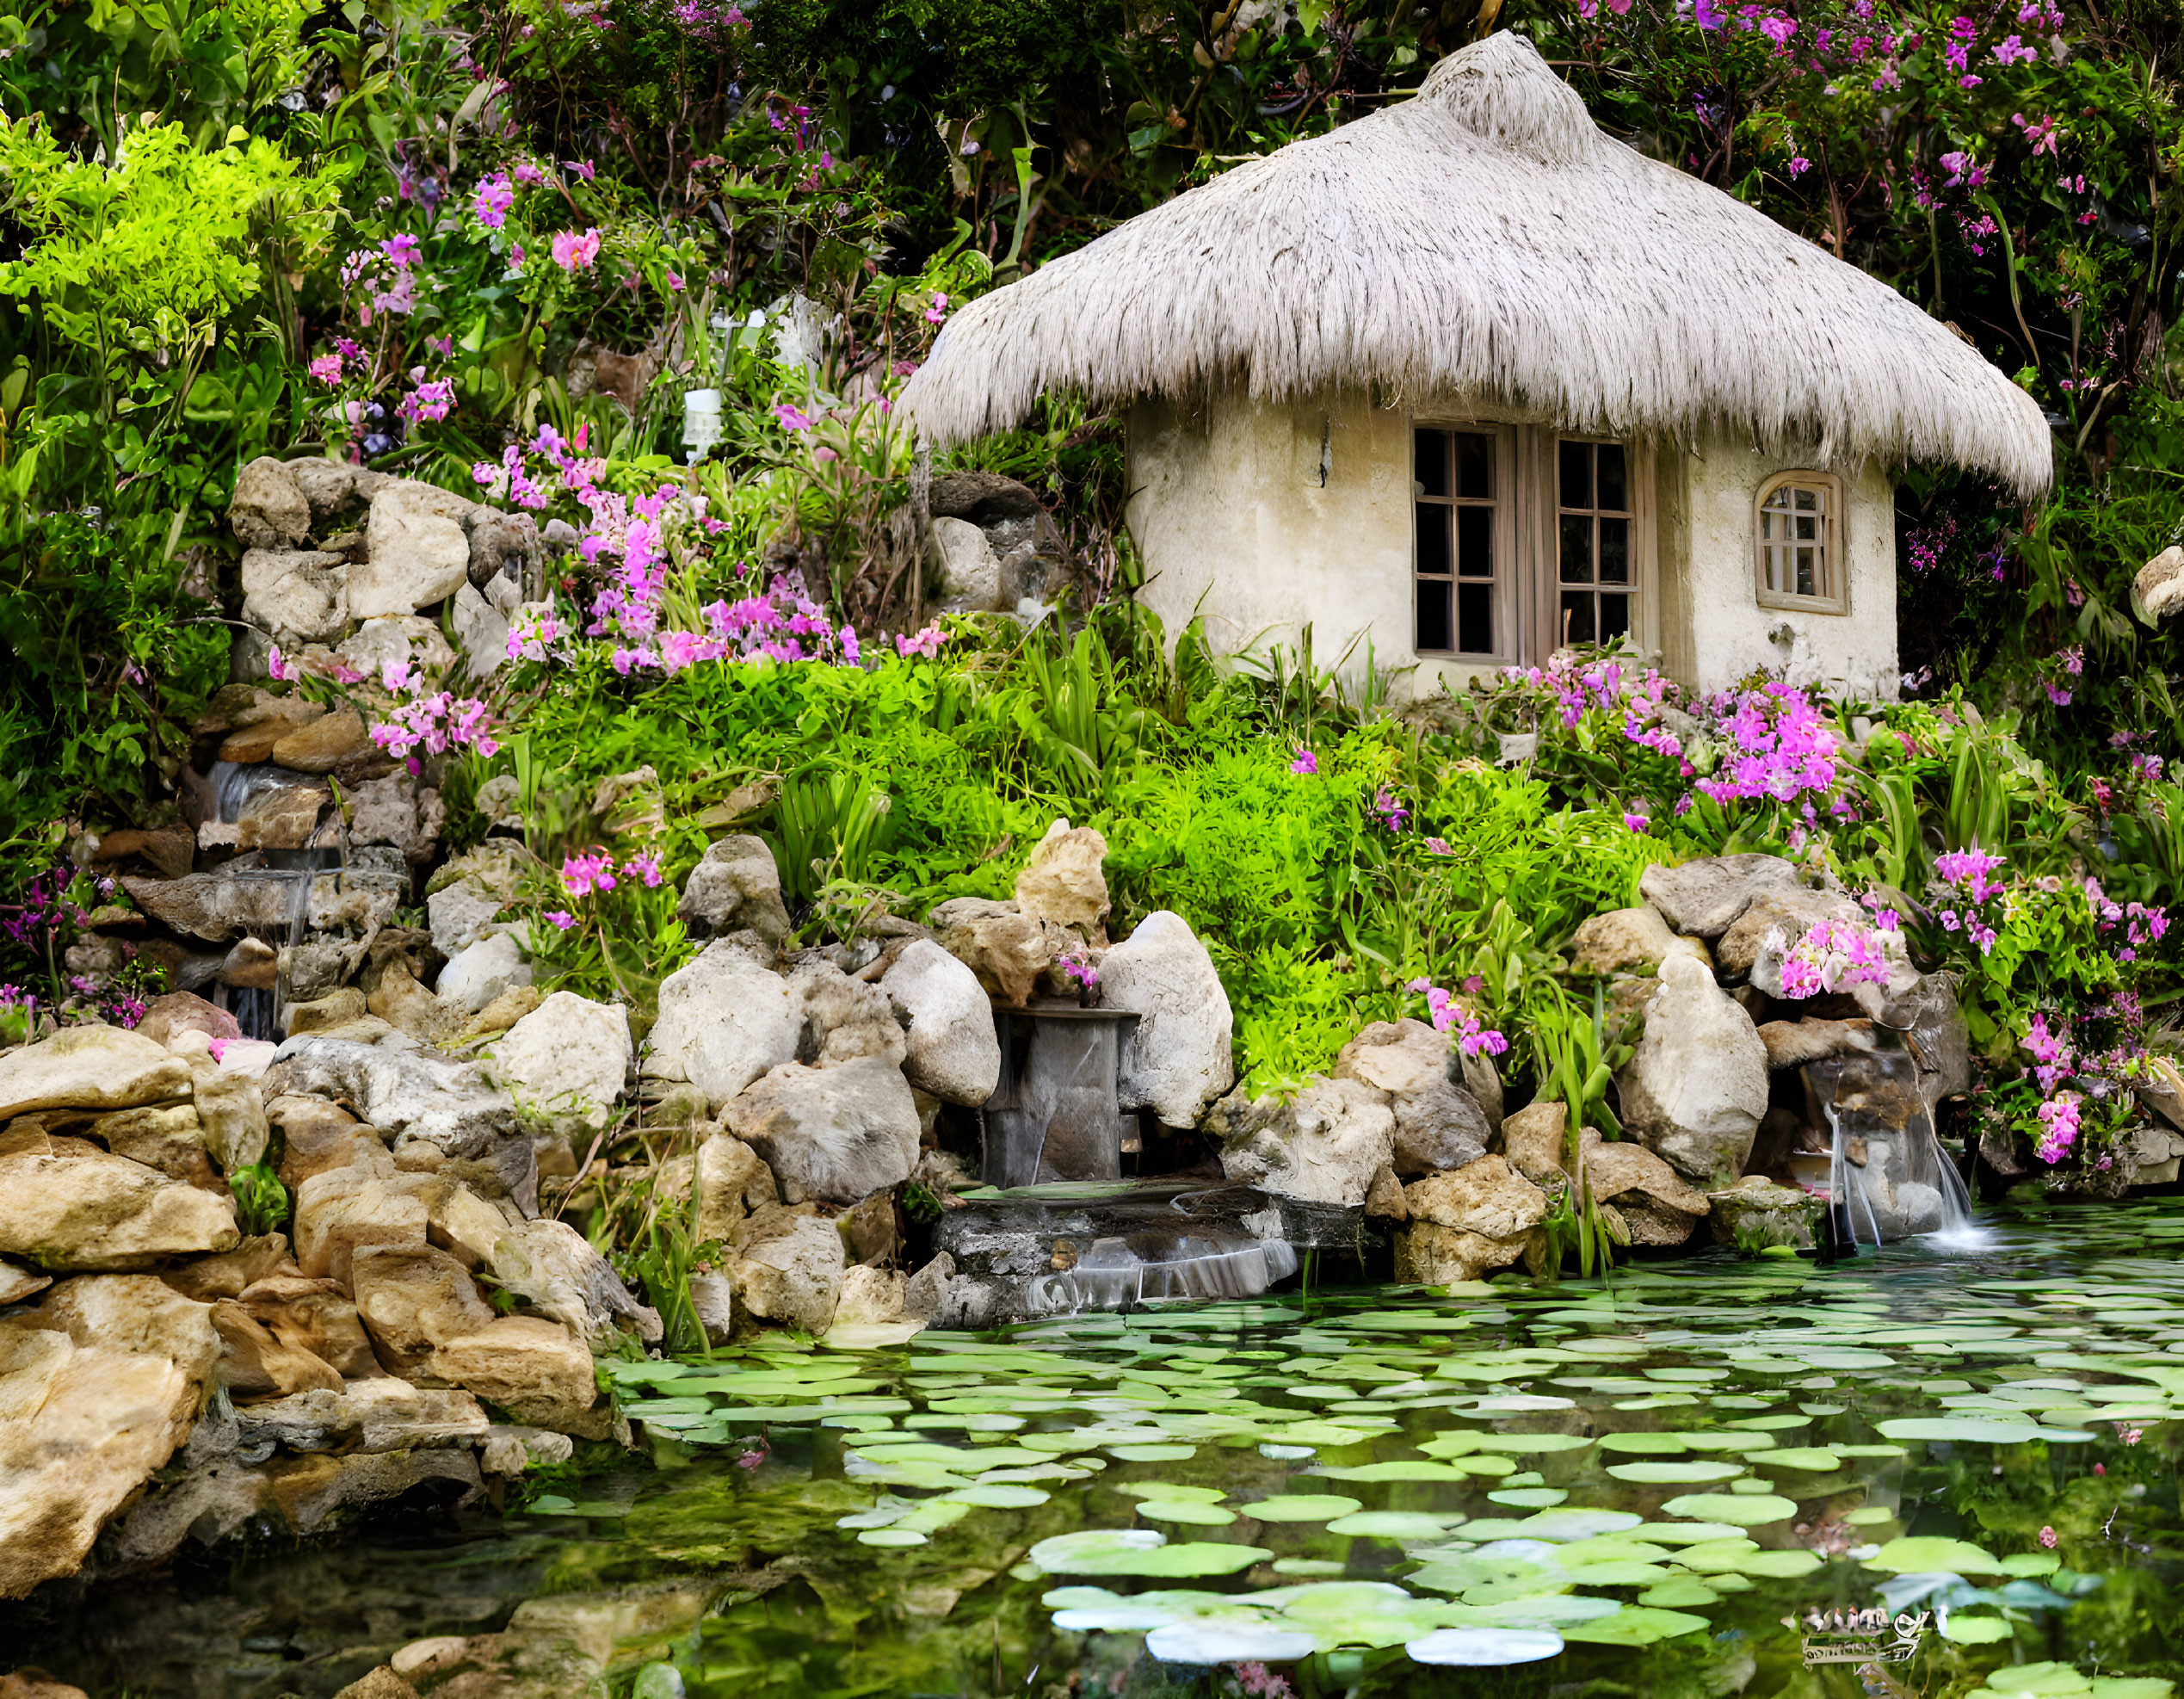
(1232, 522)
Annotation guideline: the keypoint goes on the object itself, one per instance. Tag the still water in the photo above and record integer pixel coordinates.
(1663, 1485)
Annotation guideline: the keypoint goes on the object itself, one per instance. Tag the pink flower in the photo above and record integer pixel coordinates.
(1799, 165)
(280, 669)
(792, 417)
(572, 252)
(591, 871)
(645, 864)
(2047, 1538)
(401, 250)
(938, 311)
(526, 172)
(1307, 763)
(396, 677)
(675, 282)
(1637, 823)
(582, 167)
(218, 1048)
(327, 368)
(490, 203)
(926, 643)
(561, 919)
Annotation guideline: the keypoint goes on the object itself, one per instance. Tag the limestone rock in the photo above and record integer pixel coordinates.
(413, 1300)
(737, 888)
(1484, 1083)
(475, 976)
(1007, 951)
(404, 1093)
(482, 630)
(267, 509)
(1792, 1044)
(1180, 1058)
(313, 1315)
(97, 1387)
(1431, 1255)
(725, 1018)
(538, 1371)
(332, 487)
(1535, 1140)
(253, 1363)
(17, 1284)
(394, 811)
(1618, 1170)
(231, 1117)
(336, 743)
(464, 897)
(1787, 910)
(1385, 1201)
(1062, 883)
(402, 638)
(713, 1301)
(1438, 1125)
(213, 906)
(163, 1136)
(1620, 941)
(226, 1274)
(502, 545)
(787, 1268)
(843, 1018)
(419, 553)
(569, 1058)
(1326, 1144)
(2159, 585)
(89, 1068)
(347, 1210)
(315, 1136)
(733, 1182)
(1756, 1213)
(870, 1298)
(1695, 1088)
(952, 1049)
(553, 1268)
(970, 570)
(1704, 897)
(299, 595)
(100, 1212)
(833, 1134)
(1489, 1199)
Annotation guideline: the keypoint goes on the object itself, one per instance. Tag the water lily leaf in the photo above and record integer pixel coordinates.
(1559, 1611)
(1218, 1642)
(1422, 1469)
(997, 1495)
(892, 1536)
(2031, 1564)
(1662, 1473)
(1967, 1430)
(1484, 1648)
(1924, 1552)
(1638, 1625)
(1564, 1527)
(1314, 1566)
(1394, 1525)
(1139, 1551)
(1529, 1498)
(1151, 1453)
(1161, 1489)
(1644, 1444)
(1680, 1593)
(1968, 1630)
(1617, 1574)
(1691, 1533)
(1749, 1510)
(1812, 1458)
(1195, 1511)
(1301, 1507)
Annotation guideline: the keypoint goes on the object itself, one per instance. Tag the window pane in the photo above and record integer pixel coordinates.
(1432, 615)
(1475, 466)
(1576, 474)
(1808, 576)
(1577, 617)
(1475, 541)
(1577, 549)
(1475, 618)
(1433, 539)
(1614, 551)
(1431, 459)
(1615, 617)
(1614, 482)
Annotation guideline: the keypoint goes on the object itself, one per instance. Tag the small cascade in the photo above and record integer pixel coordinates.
(1111, 1274)
(257, 1010)
(1889, 1178)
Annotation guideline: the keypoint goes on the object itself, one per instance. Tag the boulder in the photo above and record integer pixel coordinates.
(89, 1068)
(418, 550)
(268, 510)
(481, 629)
(733, 1182)
(414, 1299)
(712, 1302)
(834, 1134)
(736, 888)
(1383, 1200)
(952, 1050)
(315, 1136)
(227, 1273)
(1463, 1224)
(255, 1364)
(1930, 1020)
(1756, 1214)
(1622, 941)
(332, 487)
(502, 545)
(2159, 585)
(843, 1018)
(970, 570)
(463, 898)
(475, 976)
(1006, 950)
(1792, 1044)
(97, 1212)
(569, 1058)
(404, 1093)
(336, 743)
(1180, 1058)
(553, 1268)
(538, 1371)
(315, 1316)
(1773, 921)
(18, 1284)
(394, 811)
(214, 907)
(1325, 1145)
(787, 1268)
(97, 1387)
(1696, 1086)
(1536, 1142)
(1657, 1209)
(1062, 884)
(231, 1116)
(1484, 1083)
(1704, 897)
(1438, 1124)
(344, 1211)
(725, 1018)
(299, 595)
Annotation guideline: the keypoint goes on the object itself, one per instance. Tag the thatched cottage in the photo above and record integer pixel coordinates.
(1473, 378)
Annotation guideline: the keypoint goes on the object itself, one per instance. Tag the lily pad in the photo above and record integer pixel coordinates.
(1969, 1630)
(1923, 1553)
(1638, 1625)
(1666, 1473)
(1393, 1525)
(1747, 1510)
(1301, 1507)
(1812, 1458)
(1484, 1648)
(1217, 1642)
(1529, 1498)
(1195, 1511)
(997, 1495)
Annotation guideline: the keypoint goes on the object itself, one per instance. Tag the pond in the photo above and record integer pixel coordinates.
(1664, 1484)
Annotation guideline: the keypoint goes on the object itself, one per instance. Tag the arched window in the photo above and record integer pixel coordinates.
(1798, 537)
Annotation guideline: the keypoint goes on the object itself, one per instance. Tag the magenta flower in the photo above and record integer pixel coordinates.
(490, 203)
(279, 668)
(572, 252)
(2047, 1538)
(1307, 763)
(401, 250)
(792, 417)
(645, 864)
(327, 368)
(1637, 823)
(561, 919)
(594, 870)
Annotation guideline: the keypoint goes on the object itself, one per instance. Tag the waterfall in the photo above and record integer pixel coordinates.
(1111, 1275)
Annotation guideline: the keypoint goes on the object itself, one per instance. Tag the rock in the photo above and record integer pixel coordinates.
(1438, 1125)
(380, 1684)
(1488, 1198)
(924, 1292)
(1621, 940)
(315, 1316)
(253, 1363)
(1756, 1213)
(261, 724)
(787, 1268)
(413, 1300)
(1535, 1140)
(178, 1012)
(402, 638)
(214, 907)
(2163, 1090)
(344, 1211)
(870, 1298)
(171, 849)
(1695, 1088)
(725, 1018)
(833, 1134)
(843, 1018)
(475, 976)
(538, 1371)
(551, 1266)
(339, 1007)
(98, 1212)
(502, 1013)
(17, 1284)
(1179, 1060)
(713, 1301)
(299, 595)
(36, 1684)
(231, 1117)
(1792, 1044)
(1704, 897)
(569, 1059)
(97, 1387)
(970, 570)
(418, 553)
(2159, 585)
(404, 1093)
(1618, 1170)
(952, 1050)
(333, 486)
(1485, 1085)
(226, 1274)
(316, 1136)
(732, 1184)
(1007, 951)
(164, 1136)
(1384, 1201)
(463, 897)
(1931, 1023)
(2148, 1155)
(501, 545)
(336, 744)
(1062, 884)
(393, 810)
(89, 1068)
(737, 888)
(1325, 1145)
(268, 510)
(482, 630)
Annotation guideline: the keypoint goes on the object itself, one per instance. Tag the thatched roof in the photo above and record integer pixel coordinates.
(1486, 240)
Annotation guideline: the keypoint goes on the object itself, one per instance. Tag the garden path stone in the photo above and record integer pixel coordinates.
(952, 1050)
(1179, 1059)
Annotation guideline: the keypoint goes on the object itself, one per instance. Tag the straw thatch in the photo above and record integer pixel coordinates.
(1486, 241)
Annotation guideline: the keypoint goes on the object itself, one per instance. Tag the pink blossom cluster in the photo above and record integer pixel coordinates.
(1307, 763)
(2142, 923)
(2059, 1118)
(1471, 1036)
(572, 252)
(1778, 747)
(438, 723)
(926, 643)
(388, 275)
(1966, 891)
(594, 872)
(432, 400)
(1831, 956)
(490, 204)
(530, 635)
(1388, 810)
(1075, 968)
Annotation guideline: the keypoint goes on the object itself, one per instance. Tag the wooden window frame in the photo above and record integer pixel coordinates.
(1508, 646)
(1834, 537)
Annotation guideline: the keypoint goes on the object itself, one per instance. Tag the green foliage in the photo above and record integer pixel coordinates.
(261, 1200)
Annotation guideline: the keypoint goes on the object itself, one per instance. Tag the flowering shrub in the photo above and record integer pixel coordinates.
(1833, 955)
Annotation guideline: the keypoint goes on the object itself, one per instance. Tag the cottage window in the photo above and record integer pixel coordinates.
(1799, 537)
(1457, 487)
(1595, 563)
